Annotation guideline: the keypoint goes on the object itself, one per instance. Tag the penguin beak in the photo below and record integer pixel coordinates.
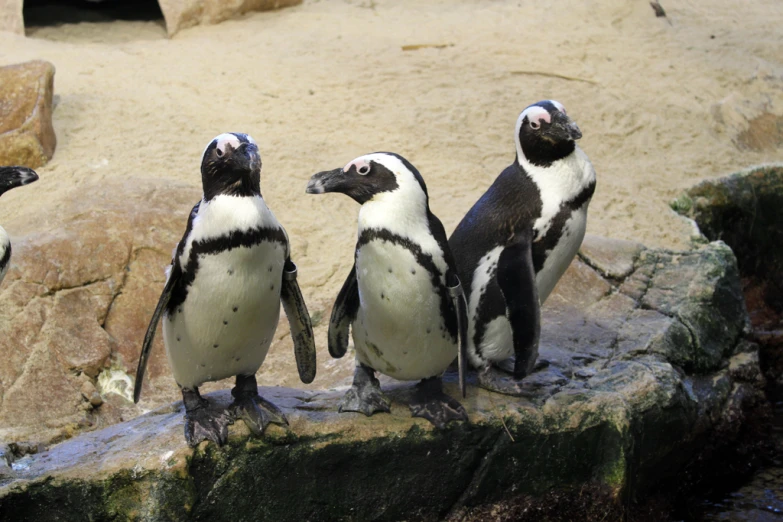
(564, 128)
(327, 181)
(250, 157)
(12, 177)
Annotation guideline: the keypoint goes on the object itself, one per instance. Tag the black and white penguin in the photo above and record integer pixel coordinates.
(402, 299)
(221, 302)
(518, 239)
(11, 177)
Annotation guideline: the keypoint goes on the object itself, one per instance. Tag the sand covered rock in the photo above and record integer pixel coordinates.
(26, 132)
(753, 118)
(641, 368)
(180, 14)
(11, 18)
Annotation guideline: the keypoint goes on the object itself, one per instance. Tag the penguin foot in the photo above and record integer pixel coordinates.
(365, 400)
(499, 381)
(507, 365)
(204, 421)
(365, 396)
(256, 412)
(429, 402)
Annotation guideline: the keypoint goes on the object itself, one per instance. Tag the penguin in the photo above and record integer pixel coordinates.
(11, 177)
(221, 302)
(517, 241)
(402, 300)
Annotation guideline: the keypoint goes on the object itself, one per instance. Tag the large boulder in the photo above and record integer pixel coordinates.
(83, 282)
(178, 14)
(745, 210)
(26, 133)
(646, 359)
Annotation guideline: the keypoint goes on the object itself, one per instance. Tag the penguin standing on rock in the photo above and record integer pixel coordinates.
(11, 177)
(221, 302)
(519, 238)
(402, 299)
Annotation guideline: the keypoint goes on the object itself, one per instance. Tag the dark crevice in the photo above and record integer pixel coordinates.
(43, 13)
(733, 477)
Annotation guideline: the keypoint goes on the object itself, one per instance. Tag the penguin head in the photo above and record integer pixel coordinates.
(545, 134)
(370, 177)
(12, 177)
(231, 165)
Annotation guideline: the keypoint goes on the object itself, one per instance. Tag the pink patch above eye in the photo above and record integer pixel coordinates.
(358, 163)
(537, 114)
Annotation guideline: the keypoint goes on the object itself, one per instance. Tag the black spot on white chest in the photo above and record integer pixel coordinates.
(229, 260)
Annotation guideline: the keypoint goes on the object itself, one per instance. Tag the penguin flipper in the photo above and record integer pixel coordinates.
(299, 321)
(343, 314)
(146, 347)
(461, 308)
(516, 278)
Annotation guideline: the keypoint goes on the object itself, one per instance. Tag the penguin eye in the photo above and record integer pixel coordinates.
(534, 124)
(364, 170)
(219, 152)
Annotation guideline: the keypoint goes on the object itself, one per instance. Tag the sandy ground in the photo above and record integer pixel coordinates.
(324, 82)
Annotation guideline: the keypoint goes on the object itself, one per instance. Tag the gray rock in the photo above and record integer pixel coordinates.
(744, 210)
(641, 365)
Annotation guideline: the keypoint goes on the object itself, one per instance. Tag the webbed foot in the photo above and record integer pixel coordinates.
(429, 402)
(204, 421)
(497, 379)
(365, 396)
(507, 365)
(256, 412)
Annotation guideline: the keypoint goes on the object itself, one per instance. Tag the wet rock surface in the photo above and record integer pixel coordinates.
(645, 357)
(745, 210)
(26, 134)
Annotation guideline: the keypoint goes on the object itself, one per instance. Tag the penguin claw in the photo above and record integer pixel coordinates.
(507, 365)
(207, 423)
(499, 381)
(429, 402)
(366, 399)
(257, 413)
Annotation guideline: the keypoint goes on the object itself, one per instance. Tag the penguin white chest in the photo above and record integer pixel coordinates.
(399, 329)
(559, 257)
(229, 316)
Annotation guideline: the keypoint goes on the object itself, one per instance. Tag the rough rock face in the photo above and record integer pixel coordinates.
(26, 133)
(179, 14)
(646, 358)
(744, 210)
(76, 303)
(69, 298)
